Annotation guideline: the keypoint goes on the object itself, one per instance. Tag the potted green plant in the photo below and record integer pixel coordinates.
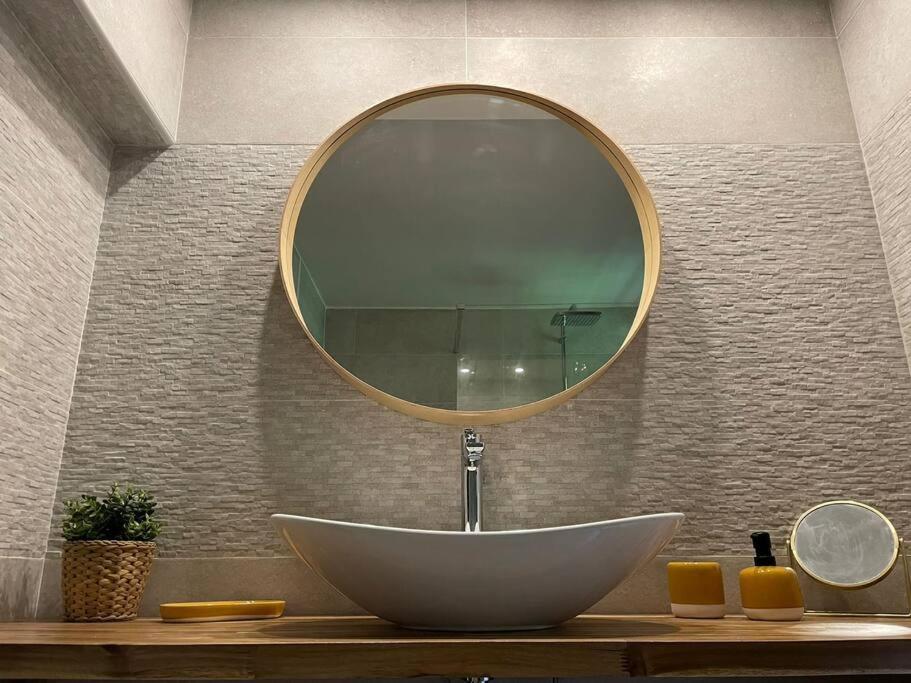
(108, 554)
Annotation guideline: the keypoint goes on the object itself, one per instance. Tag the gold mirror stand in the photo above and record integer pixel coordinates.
(904, 561)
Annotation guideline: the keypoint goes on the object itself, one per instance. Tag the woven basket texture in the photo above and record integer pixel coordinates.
(104, 580)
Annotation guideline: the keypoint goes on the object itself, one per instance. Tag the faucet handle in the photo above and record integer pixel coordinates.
(472, 446)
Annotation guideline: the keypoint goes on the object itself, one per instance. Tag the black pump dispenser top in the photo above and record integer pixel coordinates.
(762, 543)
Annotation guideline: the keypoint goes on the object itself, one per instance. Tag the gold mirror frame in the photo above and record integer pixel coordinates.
(632, 180)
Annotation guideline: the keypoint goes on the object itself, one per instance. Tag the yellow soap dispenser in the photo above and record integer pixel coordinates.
(767, 592)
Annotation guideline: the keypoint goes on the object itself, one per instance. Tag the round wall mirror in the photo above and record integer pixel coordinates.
(469, 254)
(845, 544)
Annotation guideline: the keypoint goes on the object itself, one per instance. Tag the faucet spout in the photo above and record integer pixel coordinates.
(472, 451)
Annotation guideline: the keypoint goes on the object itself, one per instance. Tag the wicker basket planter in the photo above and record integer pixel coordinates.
(104, 580)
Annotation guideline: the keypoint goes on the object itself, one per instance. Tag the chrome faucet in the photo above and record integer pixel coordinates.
(472, 450)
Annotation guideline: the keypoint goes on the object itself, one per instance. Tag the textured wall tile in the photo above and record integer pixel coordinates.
(32, 428)
(21, 578)
(91, 70)
(45, 287)
(28, 80)
(150, 41)
(675, 90)
(184, 11)
(353, 18)
(186, 296)
(757, 295)
(250, 88)
(298, 89)
(876, 53)
(261, 457)
(684, 70)
(52, 184)
(769, 377)
(842, 12)
(636, 18)
(888, 156)
(46, 185)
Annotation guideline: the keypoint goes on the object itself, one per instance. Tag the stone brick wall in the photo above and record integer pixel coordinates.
(771, 374)
(888, 155)
(874, 37)
(53, 177)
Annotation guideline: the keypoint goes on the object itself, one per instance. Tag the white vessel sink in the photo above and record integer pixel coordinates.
(486, 581)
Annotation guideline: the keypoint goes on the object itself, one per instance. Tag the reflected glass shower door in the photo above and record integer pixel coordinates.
(512, 356)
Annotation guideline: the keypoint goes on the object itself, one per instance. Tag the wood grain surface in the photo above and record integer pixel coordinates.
(350, 647)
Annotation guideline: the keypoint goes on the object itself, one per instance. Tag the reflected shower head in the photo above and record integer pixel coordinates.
(575, 318)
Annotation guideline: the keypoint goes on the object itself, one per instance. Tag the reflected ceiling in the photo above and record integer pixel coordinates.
(483, 206)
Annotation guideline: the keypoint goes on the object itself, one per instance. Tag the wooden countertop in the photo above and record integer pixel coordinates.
(349, 647)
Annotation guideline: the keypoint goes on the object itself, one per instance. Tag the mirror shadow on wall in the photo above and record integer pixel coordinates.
(469, 252)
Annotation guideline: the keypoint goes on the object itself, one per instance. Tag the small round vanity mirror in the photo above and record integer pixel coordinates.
(469, 254)
(845, 544)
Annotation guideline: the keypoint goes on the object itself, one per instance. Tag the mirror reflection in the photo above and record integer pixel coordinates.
(469, 252)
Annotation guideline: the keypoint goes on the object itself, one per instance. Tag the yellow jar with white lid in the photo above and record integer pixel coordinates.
(696, 589)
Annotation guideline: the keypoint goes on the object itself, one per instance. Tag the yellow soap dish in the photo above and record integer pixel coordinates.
(228, 610)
